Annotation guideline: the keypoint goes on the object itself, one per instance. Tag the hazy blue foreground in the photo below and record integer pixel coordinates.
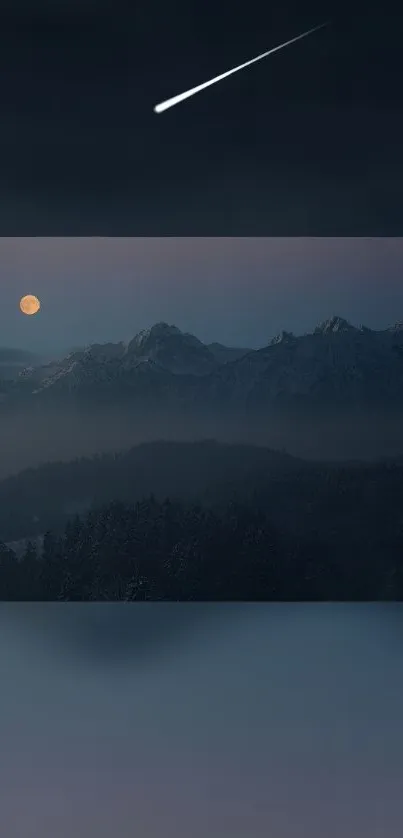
(201, 720)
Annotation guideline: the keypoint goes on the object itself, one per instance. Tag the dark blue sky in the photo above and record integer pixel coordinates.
(238, 291)
(272, 720)
(306, 142)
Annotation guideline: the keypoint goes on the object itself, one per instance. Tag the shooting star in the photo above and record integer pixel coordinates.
(169, 103)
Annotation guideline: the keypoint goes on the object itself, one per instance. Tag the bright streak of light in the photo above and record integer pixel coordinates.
(175, 100)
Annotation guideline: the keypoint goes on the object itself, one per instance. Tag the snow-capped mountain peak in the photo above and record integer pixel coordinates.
(176, 351)
(334, 324)
(159, 331)
(323, 368)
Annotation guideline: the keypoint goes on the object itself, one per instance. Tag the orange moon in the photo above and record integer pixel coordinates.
(29, 304)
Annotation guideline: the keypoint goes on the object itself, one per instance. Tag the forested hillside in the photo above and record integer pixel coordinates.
(204, 521)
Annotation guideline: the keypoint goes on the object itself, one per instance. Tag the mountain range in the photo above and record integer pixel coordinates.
(338, 365)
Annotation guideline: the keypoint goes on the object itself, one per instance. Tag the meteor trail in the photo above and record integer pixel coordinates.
(169, 103)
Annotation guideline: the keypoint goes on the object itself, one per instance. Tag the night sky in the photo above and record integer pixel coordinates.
(265, 721)
(238, 291)
(306, 142)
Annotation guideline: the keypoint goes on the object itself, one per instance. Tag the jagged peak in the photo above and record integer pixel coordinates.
(283, 337)
(396, 327)
(334, 324)
(160, 329)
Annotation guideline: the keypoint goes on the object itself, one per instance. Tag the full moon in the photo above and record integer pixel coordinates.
(29, 304)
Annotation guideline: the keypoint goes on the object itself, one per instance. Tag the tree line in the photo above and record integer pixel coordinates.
(170, 550)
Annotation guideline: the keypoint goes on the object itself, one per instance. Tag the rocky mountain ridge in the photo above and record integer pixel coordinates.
(336, 364)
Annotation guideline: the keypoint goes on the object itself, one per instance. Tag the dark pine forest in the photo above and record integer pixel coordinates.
(238, 523)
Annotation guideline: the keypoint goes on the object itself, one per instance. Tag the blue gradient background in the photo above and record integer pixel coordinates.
(219, 721)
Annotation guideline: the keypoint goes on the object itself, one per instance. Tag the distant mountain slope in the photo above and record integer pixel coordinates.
(160, 349)
(36, 499)
(338, 366)
(224, 354)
